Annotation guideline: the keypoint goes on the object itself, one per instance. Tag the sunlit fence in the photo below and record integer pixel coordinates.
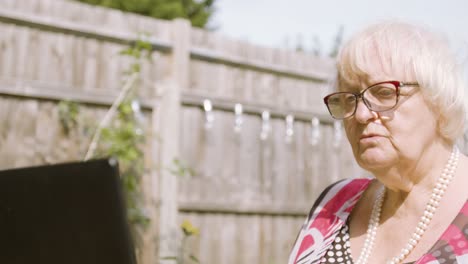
(247, 121)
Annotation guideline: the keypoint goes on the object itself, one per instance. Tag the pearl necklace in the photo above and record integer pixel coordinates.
(436, 196)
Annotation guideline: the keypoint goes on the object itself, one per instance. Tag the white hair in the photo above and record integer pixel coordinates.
(415, 54)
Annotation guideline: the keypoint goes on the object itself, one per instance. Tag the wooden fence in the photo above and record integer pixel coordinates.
(255, 178)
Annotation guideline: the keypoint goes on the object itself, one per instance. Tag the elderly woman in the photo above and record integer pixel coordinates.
(400, 96)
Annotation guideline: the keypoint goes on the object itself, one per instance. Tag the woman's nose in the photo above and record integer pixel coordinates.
(363, 113)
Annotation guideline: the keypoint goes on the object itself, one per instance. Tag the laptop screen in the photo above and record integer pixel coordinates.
(64, 214)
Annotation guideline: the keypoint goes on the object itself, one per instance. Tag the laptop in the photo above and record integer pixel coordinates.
(70, 213)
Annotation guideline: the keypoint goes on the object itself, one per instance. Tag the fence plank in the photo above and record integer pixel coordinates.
(169, 115)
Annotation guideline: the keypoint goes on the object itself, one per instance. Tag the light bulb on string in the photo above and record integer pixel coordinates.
(209, 116)
(238, 111)
(289, 128)
(314, 131)
(266, 127)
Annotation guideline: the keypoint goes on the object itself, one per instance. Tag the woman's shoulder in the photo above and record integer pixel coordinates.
(349, 184)
(339, 195)
(344, 188)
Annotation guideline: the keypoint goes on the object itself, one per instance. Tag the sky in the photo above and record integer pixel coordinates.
(283, 23)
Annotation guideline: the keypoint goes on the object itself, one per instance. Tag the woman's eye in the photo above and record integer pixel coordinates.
(350, 99)
(383, 92)
(334, 100)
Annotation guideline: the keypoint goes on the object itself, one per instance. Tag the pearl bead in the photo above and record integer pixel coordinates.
(419, 231)
(431, 209)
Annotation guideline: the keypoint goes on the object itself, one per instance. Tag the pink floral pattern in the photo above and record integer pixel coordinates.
(326, 218)
(331, 211)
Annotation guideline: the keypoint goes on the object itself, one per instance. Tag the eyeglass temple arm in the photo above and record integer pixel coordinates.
(409, 84)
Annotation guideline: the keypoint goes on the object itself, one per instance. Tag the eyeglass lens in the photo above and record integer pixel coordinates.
(377, 98)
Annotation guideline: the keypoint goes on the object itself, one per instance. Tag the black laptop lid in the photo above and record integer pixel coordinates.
(64, 214)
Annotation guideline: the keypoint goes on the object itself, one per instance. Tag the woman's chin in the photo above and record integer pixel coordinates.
(374, 159)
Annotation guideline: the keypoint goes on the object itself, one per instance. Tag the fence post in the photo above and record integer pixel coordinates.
(169, 114)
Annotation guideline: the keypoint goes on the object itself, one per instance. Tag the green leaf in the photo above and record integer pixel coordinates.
(169, 258)
(197, 11)
(194, 259)
(144, 45)
(136, 67)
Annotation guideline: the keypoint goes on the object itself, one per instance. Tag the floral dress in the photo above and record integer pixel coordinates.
(324, 237)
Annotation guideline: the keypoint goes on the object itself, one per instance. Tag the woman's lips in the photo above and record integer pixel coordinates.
(370, 135)
(369, 138)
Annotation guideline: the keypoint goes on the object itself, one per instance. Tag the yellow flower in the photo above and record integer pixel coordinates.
(189, 229)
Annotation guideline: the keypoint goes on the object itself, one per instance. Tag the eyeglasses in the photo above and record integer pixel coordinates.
(378, 97)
